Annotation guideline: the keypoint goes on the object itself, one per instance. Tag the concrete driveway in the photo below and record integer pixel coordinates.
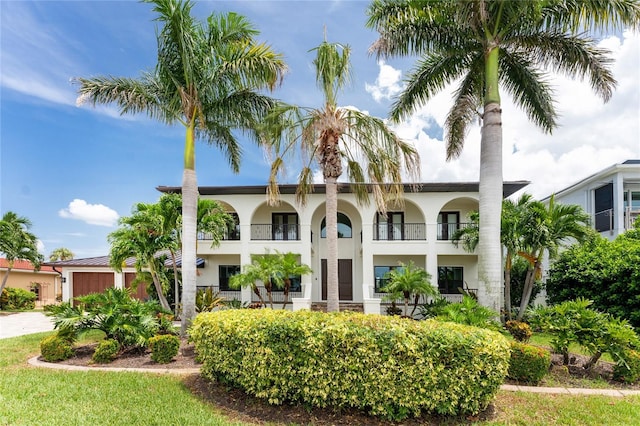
(24, 323)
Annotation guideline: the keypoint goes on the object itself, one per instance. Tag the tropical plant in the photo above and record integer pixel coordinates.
(60, 253)
(207, 300)
(470, 312)
(544, 229)
(17, 243)
(486, 45)
(17, 299)
(121, 317)
(408, 281)
(209, 78)
(274, 270)
(330, 138)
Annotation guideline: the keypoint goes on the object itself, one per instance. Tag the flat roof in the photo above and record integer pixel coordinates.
(508, 188)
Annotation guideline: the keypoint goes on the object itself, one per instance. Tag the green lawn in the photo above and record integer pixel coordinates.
(30, 396)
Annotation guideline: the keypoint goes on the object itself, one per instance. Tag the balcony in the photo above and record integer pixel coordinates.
(399, 231)
(275, 232)
(229, 235)
(446, 231)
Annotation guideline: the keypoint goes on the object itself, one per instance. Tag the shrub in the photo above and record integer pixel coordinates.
(528, 363)
(164, 347)
(55, 348)
(106, 351)
(628, 368)
(519, 330)
(385, 365)
(121, 317)
(17, 299)
(470, 312)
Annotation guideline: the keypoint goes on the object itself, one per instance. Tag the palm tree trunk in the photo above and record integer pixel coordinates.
(507, 285)
(285, 293)
(406, 306)
(156, 283)
(189, 218)
(489, 245)
(4, 279)
(528, 289)
(176, 286)
(333, 298)
(256, 290)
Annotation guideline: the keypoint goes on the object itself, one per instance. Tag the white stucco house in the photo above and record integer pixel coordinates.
(611, 196)
(369, 243)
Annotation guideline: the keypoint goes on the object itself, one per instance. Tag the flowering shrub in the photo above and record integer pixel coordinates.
(387, 366)
(519, 330)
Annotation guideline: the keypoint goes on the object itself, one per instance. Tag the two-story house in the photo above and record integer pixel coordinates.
(611, 197)
(370, 244)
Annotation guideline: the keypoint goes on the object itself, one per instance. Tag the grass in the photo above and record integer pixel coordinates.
(31, 395)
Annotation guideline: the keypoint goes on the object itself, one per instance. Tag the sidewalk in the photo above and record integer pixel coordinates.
(24, 323)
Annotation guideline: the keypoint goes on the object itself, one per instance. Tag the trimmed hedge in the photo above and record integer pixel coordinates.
(164, 347)
(17, 299)
(628, 368)
(528, 363)
(55, 348)
(106, 351)
(387, 366)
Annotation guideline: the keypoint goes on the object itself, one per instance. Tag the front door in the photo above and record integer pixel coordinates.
(345, 279)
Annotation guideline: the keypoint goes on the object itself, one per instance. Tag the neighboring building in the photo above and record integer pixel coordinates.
(369, 243)
(45, 283)
(611, 197)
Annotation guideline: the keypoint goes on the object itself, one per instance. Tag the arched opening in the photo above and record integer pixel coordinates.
(345, 230)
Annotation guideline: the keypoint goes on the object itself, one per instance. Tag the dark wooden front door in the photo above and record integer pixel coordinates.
(91, 282)
(345, 279)
(141, 290)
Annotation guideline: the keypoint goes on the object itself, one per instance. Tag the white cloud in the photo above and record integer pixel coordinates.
(592, 135)
(93, 214)
(40, 246)
(387, 84)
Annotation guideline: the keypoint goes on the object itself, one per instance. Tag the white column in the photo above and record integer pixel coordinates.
(431, 261)
(304, 302)
(618, 204)
(371, 304)
(245, 255)
(118, 280)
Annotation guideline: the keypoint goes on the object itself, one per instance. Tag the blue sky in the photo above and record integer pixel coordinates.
(74, 170)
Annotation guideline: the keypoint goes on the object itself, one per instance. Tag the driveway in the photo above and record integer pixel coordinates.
(24, 323)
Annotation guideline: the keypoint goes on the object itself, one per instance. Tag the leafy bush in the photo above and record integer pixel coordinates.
(121, 317)
(386, 365)
(17, 299)
(55, 348)
(434, 307)
(106, 351)
(528, 363)
(597, 332)
(207, 300)
(628, 368)
(519, 330)
(470, 312)
(164, 348)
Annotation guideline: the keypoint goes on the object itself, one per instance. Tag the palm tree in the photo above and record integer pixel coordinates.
(60, 253)
(409, 280)
(486, 45)
(17, 243)
(169, 207)
(141, 236)
(333, 136)
(274, 270)
(208, 78)
(544, 229)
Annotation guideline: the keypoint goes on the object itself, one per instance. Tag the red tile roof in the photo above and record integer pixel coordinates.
(24, 265)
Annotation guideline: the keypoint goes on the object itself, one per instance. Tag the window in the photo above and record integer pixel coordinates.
(448, 224)
(296, 284)
(380, 273)
(224, 273)
(285, 226)
(603, 207)
(450, 279)
(635, 200)
(390, 227)
(344, 227)
(233, 231)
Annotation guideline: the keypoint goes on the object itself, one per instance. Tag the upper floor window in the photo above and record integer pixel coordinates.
(344, 226)
(284, 226)
(635, 199)
(448, 224)
(390, 227)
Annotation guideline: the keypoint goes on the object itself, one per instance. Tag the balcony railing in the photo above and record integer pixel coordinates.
(227, 294)
(446, 231)
(276, 295)
(399, 231)
(275, 232)
(229, 235)
(449, 297)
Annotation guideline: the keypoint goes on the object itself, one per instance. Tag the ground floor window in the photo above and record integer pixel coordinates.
(224, 273)
(380, 275)
(296, 284)
(450, 279)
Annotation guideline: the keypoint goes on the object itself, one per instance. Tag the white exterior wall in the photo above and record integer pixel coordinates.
(361, 248)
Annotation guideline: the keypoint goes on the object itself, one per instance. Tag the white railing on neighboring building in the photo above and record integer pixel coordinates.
(630, 217)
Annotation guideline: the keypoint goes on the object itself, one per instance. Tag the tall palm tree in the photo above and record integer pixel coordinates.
(333, 137)
(486, 46)
(544, 229)
(17, 243)
(208, 78)
(60, 253)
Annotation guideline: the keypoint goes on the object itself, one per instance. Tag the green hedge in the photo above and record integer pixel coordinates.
(387, 366)
(17, 299)
(164, 347)
(528, 363)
